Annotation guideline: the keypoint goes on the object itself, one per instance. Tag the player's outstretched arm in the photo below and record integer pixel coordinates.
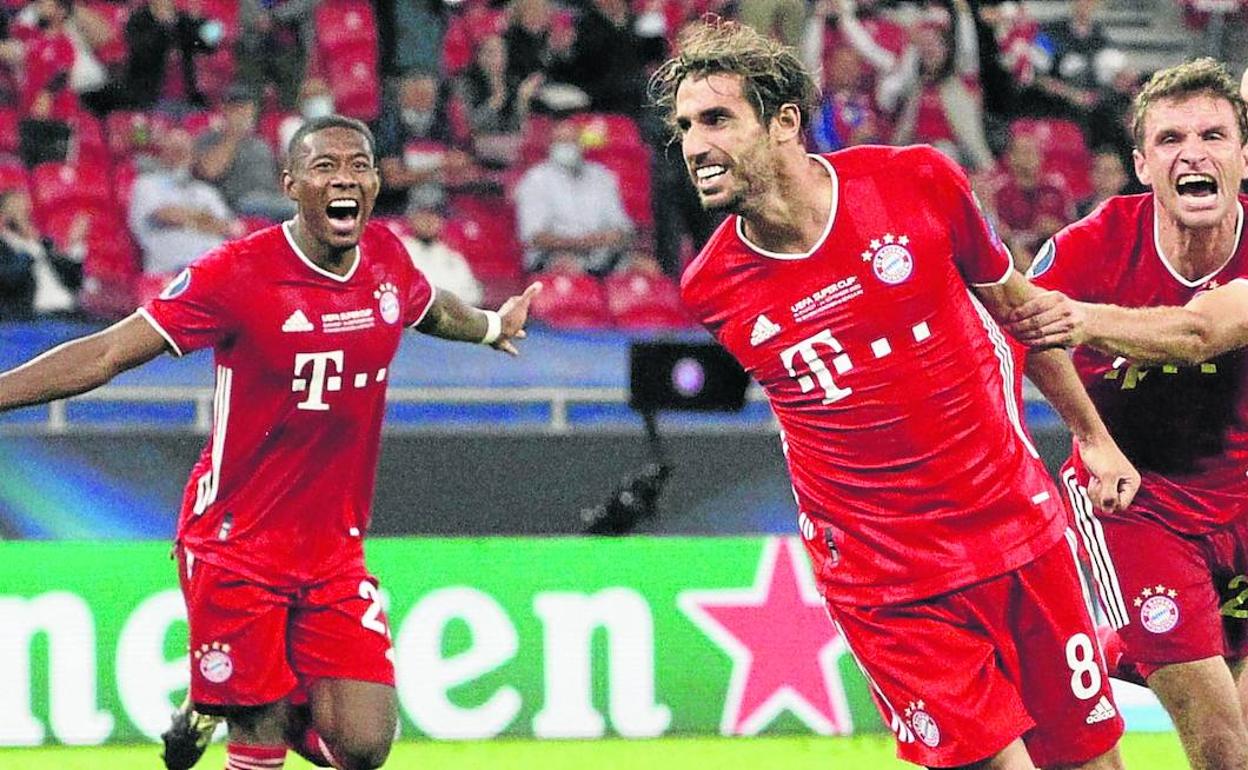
(450, 318)
(82, 364)
(1212, 323)
(1114, 481)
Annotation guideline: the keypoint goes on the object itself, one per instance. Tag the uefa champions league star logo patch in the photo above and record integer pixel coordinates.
(387, 296)
(215, 663)
(890, 258)
(923, 724)
(1159, 612)
(178, 285)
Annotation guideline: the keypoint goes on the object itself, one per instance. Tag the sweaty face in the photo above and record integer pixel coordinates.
(334, 180)
(1193, 157)
(725, 146)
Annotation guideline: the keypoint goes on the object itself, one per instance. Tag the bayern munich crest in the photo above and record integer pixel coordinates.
(1159, 612)
(388, 302)
(215, 663)
(890, 258)
(923, 724)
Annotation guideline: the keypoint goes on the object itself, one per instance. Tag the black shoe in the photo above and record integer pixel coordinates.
(187, 737)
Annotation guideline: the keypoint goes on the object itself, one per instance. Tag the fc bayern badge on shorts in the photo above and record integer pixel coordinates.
(387, 296)
(890, 258)
(1159, 612)
(215, 663)
(923, 724)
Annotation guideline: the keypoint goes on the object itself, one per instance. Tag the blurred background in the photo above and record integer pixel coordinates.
(514, 142)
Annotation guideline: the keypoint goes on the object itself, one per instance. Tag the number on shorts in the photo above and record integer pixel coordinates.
(372, 616)
(1234, 607)
(1085, 677)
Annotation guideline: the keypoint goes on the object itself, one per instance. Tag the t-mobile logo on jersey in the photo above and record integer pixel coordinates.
(809, 351)
(319, 381)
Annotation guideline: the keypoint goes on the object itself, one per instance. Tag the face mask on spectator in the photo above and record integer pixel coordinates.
(566, 154)
(417, 120)
(181, 175)
(317, 107)
(211, 32)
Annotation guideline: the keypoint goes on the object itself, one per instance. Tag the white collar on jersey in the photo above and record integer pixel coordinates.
(836, 195)
(359, 257)
(1239, 229)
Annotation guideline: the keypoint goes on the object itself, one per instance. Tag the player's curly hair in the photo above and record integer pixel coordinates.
(1199, 76)
(772, 74)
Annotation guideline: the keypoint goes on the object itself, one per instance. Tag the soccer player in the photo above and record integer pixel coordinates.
(1150, 291)
(304, 319)
(860, 289)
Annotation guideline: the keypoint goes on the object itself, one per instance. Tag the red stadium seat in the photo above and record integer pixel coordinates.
(641, 300)
(89, 146)
(345, 28)
(149, 285)
(356, 90)
(483, 229)
(111, 267)
(202, 121)
(115, 15)
(215, 73)
(124, 174)
(60, 186)
(13, 174)
(602, 129)
(129, 132)
(571, 301)
(9, 138)
(632, 170)
(1064, 149)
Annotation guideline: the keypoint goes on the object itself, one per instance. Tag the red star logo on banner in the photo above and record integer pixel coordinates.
(784, 649)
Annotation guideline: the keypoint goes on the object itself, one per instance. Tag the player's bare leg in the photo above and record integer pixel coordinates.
(1110, 760)
(1202, 699)
(1012, 757)
(356, 721)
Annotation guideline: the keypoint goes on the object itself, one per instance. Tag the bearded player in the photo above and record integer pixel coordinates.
(860, 289)
(1151, 291)
(304, 319)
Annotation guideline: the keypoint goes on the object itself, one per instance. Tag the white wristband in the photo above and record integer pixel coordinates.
(493, 327)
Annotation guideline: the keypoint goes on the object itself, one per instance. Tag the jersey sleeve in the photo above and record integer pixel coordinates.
(1064, 262)
(194, 310)
(420, 293)
(978, 251)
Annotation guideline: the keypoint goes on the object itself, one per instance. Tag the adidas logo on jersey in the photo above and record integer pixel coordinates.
(298, 322)
(764, 329)
(1101, 711)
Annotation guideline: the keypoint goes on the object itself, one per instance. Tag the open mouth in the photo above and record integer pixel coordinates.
(343, 213)
(1196, 186)
(705, 176)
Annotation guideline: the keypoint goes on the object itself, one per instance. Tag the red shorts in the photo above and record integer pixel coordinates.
(960, 676)
(1174, 598)
(252, 644)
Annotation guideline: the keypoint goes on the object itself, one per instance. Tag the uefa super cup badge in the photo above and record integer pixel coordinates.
(387, 296)
(215, 663)
(923, 724)
(1159, 612)
(890, 258)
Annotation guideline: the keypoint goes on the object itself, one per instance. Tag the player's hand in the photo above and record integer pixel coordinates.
(1048, 320)
(1113, 481)
(513, 314)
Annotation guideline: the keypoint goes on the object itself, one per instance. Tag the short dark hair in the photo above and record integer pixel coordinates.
(310, 127)
(1200, 76)
(772, 74)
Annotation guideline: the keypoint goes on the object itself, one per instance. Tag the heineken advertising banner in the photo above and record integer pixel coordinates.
(546, 638)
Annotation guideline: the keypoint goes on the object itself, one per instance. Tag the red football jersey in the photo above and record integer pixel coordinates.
(283, 489)
(1184, 427)
(894, 389)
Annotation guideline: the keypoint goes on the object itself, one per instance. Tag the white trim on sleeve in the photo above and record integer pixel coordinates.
(1009, 268)
(433, 294)
(177, 351)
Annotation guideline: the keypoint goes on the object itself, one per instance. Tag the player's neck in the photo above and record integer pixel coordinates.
(793, 215)
(329, 259)
(1197, 252)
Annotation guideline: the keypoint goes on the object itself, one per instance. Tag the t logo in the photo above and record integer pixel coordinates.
(318, 382)
(806, 348)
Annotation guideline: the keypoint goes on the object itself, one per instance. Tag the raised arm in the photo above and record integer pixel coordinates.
(450, 318)
(1212, 323)
(1114, 481)
(81, 365)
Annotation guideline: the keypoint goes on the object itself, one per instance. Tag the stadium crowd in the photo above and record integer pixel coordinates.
(513, 137)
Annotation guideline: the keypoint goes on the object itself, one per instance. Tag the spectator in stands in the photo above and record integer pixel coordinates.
(611, 55)
(934, 95)
(569, 212)
(45, 58)
(445, 267)
(272, 44)
(417, 29)
(1108, 177)
(846, 116)
(417, 150)
(862, 25)
(240, 163)
(174, 216)
(1073, 46)
(783, 20)
(537, 39)
(153, 30)
(1031, 206)
(495, 104)
(36, 277)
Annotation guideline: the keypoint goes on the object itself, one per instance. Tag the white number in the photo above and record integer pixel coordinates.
(1085, 679)
(806, 348)
(372, 616)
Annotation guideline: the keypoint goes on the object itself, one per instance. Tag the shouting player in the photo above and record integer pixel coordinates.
(860, 289)
(304, 320)
(1150, 290)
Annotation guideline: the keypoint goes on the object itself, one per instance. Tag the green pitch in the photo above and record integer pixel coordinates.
(1140, 752)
